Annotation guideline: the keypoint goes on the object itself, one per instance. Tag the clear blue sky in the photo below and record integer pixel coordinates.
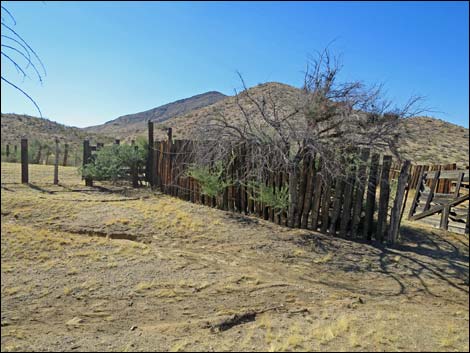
(108, 59)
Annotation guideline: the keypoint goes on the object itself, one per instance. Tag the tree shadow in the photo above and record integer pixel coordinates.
(425, 261)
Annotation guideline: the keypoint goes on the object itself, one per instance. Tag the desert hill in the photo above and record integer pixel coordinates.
(136, 123)
(40, 131)
(427, 139)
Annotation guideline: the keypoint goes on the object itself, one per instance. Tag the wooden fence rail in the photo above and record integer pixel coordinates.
(341, 207)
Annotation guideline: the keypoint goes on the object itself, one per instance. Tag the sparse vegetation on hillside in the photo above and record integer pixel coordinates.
(135, 124)
(41, 133)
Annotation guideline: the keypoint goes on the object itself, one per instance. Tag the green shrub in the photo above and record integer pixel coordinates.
(275, 198)
(211, 180)
(114, 162)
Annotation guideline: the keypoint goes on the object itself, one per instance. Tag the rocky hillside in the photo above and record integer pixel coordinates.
(135, 124)
(427, 139)
(42, 132)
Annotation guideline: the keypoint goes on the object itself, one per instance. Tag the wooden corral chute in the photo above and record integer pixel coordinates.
(448, 211)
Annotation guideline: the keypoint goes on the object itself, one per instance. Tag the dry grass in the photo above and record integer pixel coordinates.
(191, 265)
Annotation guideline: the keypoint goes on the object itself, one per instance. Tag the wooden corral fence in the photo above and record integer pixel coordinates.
(341, 207)
(443, 185)
(24, 159)
(448, 211)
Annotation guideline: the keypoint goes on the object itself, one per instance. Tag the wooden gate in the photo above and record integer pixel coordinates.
(446, 211)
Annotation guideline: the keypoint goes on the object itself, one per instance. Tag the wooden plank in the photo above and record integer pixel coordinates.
(317, 192)
(150, 154)
(445, 218)
(383, 198)
(86, 160)
(348, 195)
(303, 176)
(450, 174)
(431, 192)
(370, 197)
(272, 185)
(399, 203)
(439, 208)
(459, 184)
(325, 206)
(24, 161)
(66, 153)
(242, 167)
(337, 204)
(360, 189)
(56, 162)
(467, 223)
(419, 187)
(308, 193)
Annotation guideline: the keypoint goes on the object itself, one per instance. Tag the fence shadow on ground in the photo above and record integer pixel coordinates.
(425, 261)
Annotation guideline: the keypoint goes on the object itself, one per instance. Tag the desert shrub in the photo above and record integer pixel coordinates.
(277, 199)
(114, 162)
(210, 179)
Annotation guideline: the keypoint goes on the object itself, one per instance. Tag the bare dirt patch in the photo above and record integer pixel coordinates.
(190, 270)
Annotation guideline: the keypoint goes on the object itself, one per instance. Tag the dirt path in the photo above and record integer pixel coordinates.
(128, 270)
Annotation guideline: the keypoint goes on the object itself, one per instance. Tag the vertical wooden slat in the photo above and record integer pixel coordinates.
(397, 210)
(348, 196)
(317, 193)
(285, 213)
(56, 162)
(432, 190)
(459, 184)
(325, 205)
(272, 185)
(419, 186)
(383, 198)
(150, 154)
(308, 192)
(24, 161)
(86, 160)
(279, 185)
(467, 223)
(242, 167)
(370, 198)
(359, 194)
(337, 205)
(444, 224)
(66, 153)
(303, 176)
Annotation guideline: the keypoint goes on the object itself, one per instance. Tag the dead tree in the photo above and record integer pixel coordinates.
(329, 120)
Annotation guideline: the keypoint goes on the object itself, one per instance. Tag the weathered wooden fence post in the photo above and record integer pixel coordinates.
(56, 162)
(370, 199)
(150, 155)
(383, 198)
(24, 161)
(8, 150)
(86, 159)
(397, 210)
(359, 195)
(170, 134)
(66, 152)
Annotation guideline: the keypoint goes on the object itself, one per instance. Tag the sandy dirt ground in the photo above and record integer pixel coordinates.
(115, 269)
